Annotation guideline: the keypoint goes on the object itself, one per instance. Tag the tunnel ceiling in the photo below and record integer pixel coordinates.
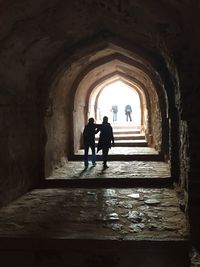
(100, 63)
(39, 37)
(114, 65)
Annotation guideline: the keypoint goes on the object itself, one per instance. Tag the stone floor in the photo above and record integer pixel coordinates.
(119, 214)
(66, 227)
(119, 169)
(195, 257)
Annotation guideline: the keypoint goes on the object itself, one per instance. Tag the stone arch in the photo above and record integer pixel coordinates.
(130, 81)
(70, 75)
(133, 86)
(83, 89)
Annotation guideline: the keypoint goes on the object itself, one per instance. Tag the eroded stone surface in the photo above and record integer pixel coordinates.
(95, 214)
(119, 169)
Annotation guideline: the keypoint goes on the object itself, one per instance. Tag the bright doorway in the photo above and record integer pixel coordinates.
(120, 94)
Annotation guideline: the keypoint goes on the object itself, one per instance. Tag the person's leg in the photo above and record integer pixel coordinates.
(93, 154)
(86, 155)
(130, 116)
(105, 157)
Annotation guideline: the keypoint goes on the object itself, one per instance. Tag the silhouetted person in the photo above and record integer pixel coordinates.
(128, 111)
(105, 139)
(89, 141)
(114, 110)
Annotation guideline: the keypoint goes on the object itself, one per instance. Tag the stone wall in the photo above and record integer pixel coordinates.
(20, 157)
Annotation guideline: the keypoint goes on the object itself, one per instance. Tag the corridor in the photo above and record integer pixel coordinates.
(64, 62)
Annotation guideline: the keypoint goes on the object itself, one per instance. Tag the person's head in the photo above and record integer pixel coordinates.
(91, 120)
(105, 119)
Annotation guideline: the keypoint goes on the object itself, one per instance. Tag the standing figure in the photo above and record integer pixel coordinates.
(128, 111)
(105, 139)
(89, 141)
(114, 110)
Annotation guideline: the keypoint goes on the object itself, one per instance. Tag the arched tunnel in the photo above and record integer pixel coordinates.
(106, 66)
(56, 60)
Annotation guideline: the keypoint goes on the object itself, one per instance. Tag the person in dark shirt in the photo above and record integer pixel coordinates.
(128, 111)
(105, 139)
(89, 141)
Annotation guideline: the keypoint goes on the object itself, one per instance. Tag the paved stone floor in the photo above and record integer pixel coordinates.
(79, 227)
(195, 258)
(117, 169)
(116, 214)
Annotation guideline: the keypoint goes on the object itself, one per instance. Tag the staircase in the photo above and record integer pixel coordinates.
(130, 145)
(128, 137)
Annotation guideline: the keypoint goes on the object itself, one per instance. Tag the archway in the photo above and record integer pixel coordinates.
(90, 87)
(119, 94)
(72, 92)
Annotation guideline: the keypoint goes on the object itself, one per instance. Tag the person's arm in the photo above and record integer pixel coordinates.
(125, 110)
(112, 137)
(84, 131)
(97, 128)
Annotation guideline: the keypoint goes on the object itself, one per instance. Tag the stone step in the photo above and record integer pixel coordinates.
(147, 182)
(128, 131)
(130, 143)
(126, 126)
(126, 136)
(120, 157)
(62, 252)
(121, 154)
(130, 138)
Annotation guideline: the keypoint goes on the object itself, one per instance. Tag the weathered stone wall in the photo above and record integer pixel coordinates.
(156, 123)
(20, 156)
(187, 61)
(194, 177)
(57, 135)
(184, 165)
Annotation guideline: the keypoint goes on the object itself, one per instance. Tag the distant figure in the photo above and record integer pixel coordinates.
(114, 110)
(128, 111)
(89, 141)
(106, 136)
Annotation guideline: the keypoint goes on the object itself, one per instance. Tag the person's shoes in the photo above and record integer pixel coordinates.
(86, 166)
(105, 166)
